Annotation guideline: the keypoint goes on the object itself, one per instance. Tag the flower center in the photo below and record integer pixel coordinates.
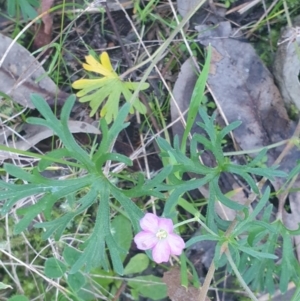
(161, 234)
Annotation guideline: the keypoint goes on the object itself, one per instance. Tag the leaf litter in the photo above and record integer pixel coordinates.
(33, 134)
(244, 89)
(21, 75)
(43, 34)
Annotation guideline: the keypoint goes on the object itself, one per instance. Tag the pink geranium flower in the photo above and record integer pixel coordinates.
(158, 235)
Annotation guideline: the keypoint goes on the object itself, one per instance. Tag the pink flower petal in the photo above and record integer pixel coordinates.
(165, 224)
(150, 222)
(176, 244)
(161, 252)
(145, 240)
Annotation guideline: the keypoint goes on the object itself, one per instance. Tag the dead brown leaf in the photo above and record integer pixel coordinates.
(287, 66)
(41, 39)
(182, 94)
(184, 6)
(176, 291)
(47, 18)
(244, 89)
(43, 34)
(21, 74)
(33, 134)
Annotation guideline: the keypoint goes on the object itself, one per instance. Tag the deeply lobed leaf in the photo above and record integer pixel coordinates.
(109, 87)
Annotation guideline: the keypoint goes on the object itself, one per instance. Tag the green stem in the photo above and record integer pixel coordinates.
(256, 150)
(195, 219)
(239, 276)
(287, 14)
(207, 281)
(206, 228)
(191, 220)
(38, 156)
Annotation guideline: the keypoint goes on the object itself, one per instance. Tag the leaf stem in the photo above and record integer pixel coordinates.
(207, 281)
(38, 156)
(239, 276)
(195, 219)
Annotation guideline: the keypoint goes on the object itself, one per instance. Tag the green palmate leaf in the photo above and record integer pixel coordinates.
(181, 161)
(17, 192)
(214, 136)
(94, 253)
(113, 157)
(134, 213)
(261, 273)
(83, 192)
(56, 190)
(173, 198)
(27, 7)
(58, 225)
(19, 173)
(101, 231)
(109, 135)
(61, 129)
(259, 276)
(153, 186)
(109, 87)
(269, 280)
(115, 253)
(55, 154)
